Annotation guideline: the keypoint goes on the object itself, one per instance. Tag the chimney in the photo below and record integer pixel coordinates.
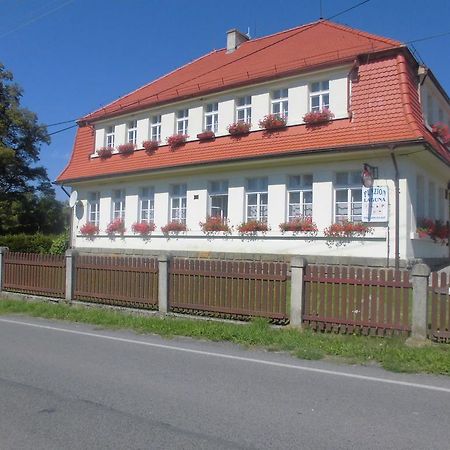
(234, 39)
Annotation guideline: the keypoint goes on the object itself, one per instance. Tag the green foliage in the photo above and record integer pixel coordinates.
(60, 244)
(28, 243)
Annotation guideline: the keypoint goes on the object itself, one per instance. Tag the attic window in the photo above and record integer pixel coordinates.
(132, 132)
(182, 121)
(110, 136)
(319, 97)
(280, 103)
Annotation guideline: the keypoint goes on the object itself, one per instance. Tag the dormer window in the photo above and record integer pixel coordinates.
(155, 128)
(212, 117)
(110, 137)
(319, 96)
(244, 109)
(280, 103)
(132, 132)
(182, 121)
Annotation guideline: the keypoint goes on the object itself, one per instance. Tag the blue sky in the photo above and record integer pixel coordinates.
(73, 56)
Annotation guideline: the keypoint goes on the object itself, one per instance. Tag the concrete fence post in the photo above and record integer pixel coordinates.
(3, 251)
(420, 274)
(298, 265)
(163, 283)
(70, 274)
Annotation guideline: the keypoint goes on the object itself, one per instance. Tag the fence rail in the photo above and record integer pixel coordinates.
(439, 295)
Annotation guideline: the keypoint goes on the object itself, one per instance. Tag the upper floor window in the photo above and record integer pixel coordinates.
(212, 117)
(132, 132)
(147, 205)
(244, 109)
(118, 204)
(257, 199)
(178, 202)
(155, 128)
(94, 207)
(300, 196)
(319, 96)
(280, 103)
(348, 192)
(182, 121)
(110, 136)
(218, 199)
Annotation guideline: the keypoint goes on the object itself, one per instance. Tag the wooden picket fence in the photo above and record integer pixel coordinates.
(357, 300)
(439, 307)
(235, 289)
(118, 280)
(35, 274)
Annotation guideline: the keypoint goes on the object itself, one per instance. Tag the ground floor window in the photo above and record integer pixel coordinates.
(178, 203)
(118, 204)
(94, 208)
(218, 199)
(348, 197)
(257, 199)
(300, 196)
(147, 205)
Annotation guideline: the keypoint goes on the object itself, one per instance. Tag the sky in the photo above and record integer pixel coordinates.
(74, 56)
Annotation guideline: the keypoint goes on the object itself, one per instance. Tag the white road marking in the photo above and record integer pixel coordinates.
(236, 358)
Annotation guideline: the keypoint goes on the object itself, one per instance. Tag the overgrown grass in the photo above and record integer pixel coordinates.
(390, 353)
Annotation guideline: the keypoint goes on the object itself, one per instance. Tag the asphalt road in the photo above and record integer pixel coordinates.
(69, 386)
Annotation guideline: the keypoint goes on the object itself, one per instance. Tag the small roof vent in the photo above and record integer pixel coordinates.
(234, 39)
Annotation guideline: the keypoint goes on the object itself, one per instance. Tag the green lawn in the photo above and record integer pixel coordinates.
(390, 353)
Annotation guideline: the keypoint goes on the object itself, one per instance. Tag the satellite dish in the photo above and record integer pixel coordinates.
(73, 199)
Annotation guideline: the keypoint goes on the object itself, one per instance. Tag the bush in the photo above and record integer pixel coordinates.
(60, 244)
(27, 243)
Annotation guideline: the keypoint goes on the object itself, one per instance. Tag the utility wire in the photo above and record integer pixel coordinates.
(59, 123)
(426, 38)
(348, 9)
(62, 129)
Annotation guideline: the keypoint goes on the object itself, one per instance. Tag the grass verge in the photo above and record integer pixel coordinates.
(390, 353)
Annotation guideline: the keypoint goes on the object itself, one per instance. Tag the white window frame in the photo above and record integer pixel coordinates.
(178, 203)
(352, 188)
(211, 120)
(110, 136)
(261, 193)
(155, 128)
(147, 204)
(244, 109)
(218, 190)
(118, 204)
(279, 102)
(132, 132)
(322, 94)
(182, 121)
(94, 208)
(304, 189)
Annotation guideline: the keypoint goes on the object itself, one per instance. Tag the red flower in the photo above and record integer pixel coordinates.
(143, 228)
(176, 140)
(89, 229)
(436, 230)
(206, 135)
(252, 226)
(174, 227)
(347, 229)
(116, 226)
(105, 152)
(215, 224)
(150, 146)
(239, 128)
(272, 122)
(299, 224)
(317, 117)
(441, 131)
(126, 149)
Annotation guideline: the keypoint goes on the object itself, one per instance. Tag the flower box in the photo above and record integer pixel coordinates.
(143, 228)
(176, 140)
(117, 226)
(150, 146)
(441, 131)
(174, 227)
(434, 229)
(347, 229)
(126, 149)
(206, 136)
(273, 122)
(239, 128)
(215, 225)
(89, 229)
(252, 227)
(318, 117)
(299, 225)
(105, 152)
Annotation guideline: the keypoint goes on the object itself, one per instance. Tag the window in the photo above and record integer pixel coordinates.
(218, 199)
(257, 199)
(348, 193)
(147, 205)
(300, 196)
(110, 136)
(212, 117)
(132, 132)
(280, 102)
(431, 200)
(244, 109)
(155, 128)
(182, 121)
(118, 204)
(94, 207)
(319, 96)
(420, 199)
(178, 200)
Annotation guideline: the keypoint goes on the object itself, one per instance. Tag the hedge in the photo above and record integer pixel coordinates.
(29, 243)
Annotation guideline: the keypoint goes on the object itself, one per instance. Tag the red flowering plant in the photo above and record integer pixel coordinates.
(174, 227)
(299, 225)
(89, 230)
(441, 131)
(318, 117)
(176, 140)
(126, 149)
(117, 226)
(206, 135)
(273, 122)
(215, 224)
(346, 229)
(239, 128)
(150, 146)
(434, 229)
(143, 228)
(252, 226)
(105, 152)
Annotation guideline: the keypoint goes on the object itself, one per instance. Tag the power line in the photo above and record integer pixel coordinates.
(348, 9)
(427, 38)
(59, 123)
(62, 129)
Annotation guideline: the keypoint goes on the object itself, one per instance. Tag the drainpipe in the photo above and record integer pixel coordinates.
(397, 210)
